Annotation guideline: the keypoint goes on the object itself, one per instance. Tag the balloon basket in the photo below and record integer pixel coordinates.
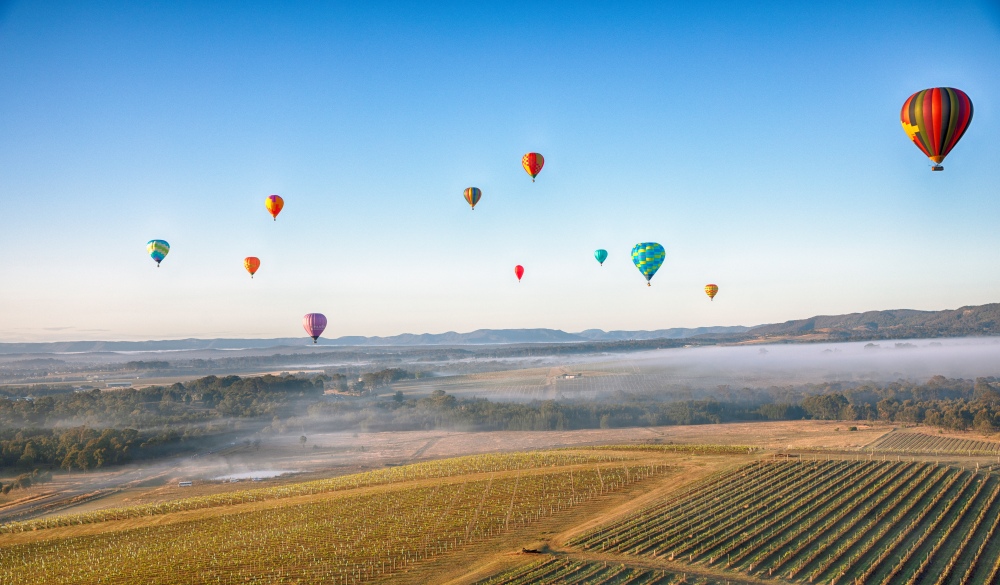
(937, 168)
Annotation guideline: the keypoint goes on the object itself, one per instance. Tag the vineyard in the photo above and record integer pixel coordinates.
(567, 571)
(489, 463)
(695, 448)
(336, 538)
(833, 522)
(903, 442)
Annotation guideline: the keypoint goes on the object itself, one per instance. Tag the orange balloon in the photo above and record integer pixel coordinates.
(711, 290)
(251, 263)
(274, 203)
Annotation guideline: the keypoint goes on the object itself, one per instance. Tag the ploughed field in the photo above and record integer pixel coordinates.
(829, 521)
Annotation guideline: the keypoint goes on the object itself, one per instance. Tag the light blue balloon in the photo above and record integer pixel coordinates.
(648, 257)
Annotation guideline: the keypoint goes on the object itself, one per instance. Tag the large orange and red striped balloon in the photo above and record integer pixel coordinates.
(935, 120)
(274, 204)
(533, 163)
(251, 263)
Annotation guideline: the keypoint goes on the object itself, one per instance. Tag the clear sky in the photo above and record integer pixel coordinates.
(759, 142)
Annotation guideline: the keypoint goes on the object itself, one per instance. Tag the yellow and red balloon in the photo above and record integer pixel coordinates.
(274, 204)
(533, 163)
(251, 263)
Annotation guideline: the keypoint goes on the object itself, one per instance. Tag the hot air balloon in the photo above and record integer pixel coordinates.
(158, 250)
(473, 195)
(935, 120)
(711, 290)
(533, 163)
(251, 263)
(519, 272)
(274, 204)
(648, 257)
(601, 256)
(314, 324)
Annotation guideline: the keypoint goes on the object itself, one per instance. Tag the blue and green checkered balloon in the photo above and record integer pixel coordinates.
(648, 257)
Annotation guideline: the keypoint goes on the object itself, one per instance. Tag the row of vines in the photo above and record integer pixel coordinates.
(833, 522)
(903, 442)
(490, 463)
(340, 540)
(565, 571)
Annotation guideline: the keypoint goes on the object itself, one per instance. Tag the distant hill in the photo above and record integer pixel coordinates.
(981, 320)
(478, 337)
(676, 333)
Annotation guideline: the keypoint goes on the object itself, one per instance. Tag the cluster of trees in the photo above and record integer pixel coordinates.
(76, 448)
(953, 404)
(25, 480)
(141, 366)
(367, 383)
(204, 399)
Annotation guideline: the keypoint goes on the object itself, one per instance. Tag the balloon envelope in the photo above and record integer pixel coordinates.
(251, 263)
(601, 256)
(533, 163)
(473, 195)
(648, 257)
(274, 204)
(935, 120)
(158, 250)
(314, 324)
(711, 290)
(519, 272)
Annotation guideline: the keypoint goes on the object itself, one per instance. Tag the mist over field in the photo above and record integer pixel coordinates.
(715, 371)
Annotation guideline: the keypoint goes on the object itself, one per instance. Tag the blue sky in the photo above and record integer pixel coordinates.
(758, 142)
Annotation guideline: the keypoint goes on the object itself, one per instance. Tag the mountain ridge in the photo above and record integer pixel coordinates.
(966, 321)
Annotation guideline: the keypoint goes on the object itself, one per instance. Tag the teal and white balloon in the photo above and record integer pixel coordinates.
(158, 250)
(601, 256)
(648, 257)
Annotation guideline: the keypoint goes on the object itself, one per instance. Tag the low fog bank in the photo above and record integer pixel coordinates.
(235, 425)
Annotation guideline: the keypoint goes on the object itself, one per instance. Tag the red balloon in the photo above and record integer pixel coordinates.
(519, 272)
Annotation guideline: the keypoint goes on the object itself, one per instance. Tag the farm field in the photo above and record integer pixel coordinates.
(664, 509)
(914, 442)
(823, 521)
(569, 571)
(372, 527)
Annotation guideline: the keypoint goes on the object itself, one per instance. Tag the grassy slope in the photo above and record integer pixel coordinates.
(310, 535)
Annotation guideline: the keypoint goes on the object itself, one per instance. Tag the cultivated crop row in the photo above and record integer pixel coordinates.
(909, 442)
(338, 540)
(490, 463)
(575, 572)
(825, 522)
(692, 503)
(707, 449)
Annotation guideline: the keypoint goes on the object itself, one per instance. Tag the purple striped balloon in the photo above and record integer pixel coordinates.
(314, 324)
